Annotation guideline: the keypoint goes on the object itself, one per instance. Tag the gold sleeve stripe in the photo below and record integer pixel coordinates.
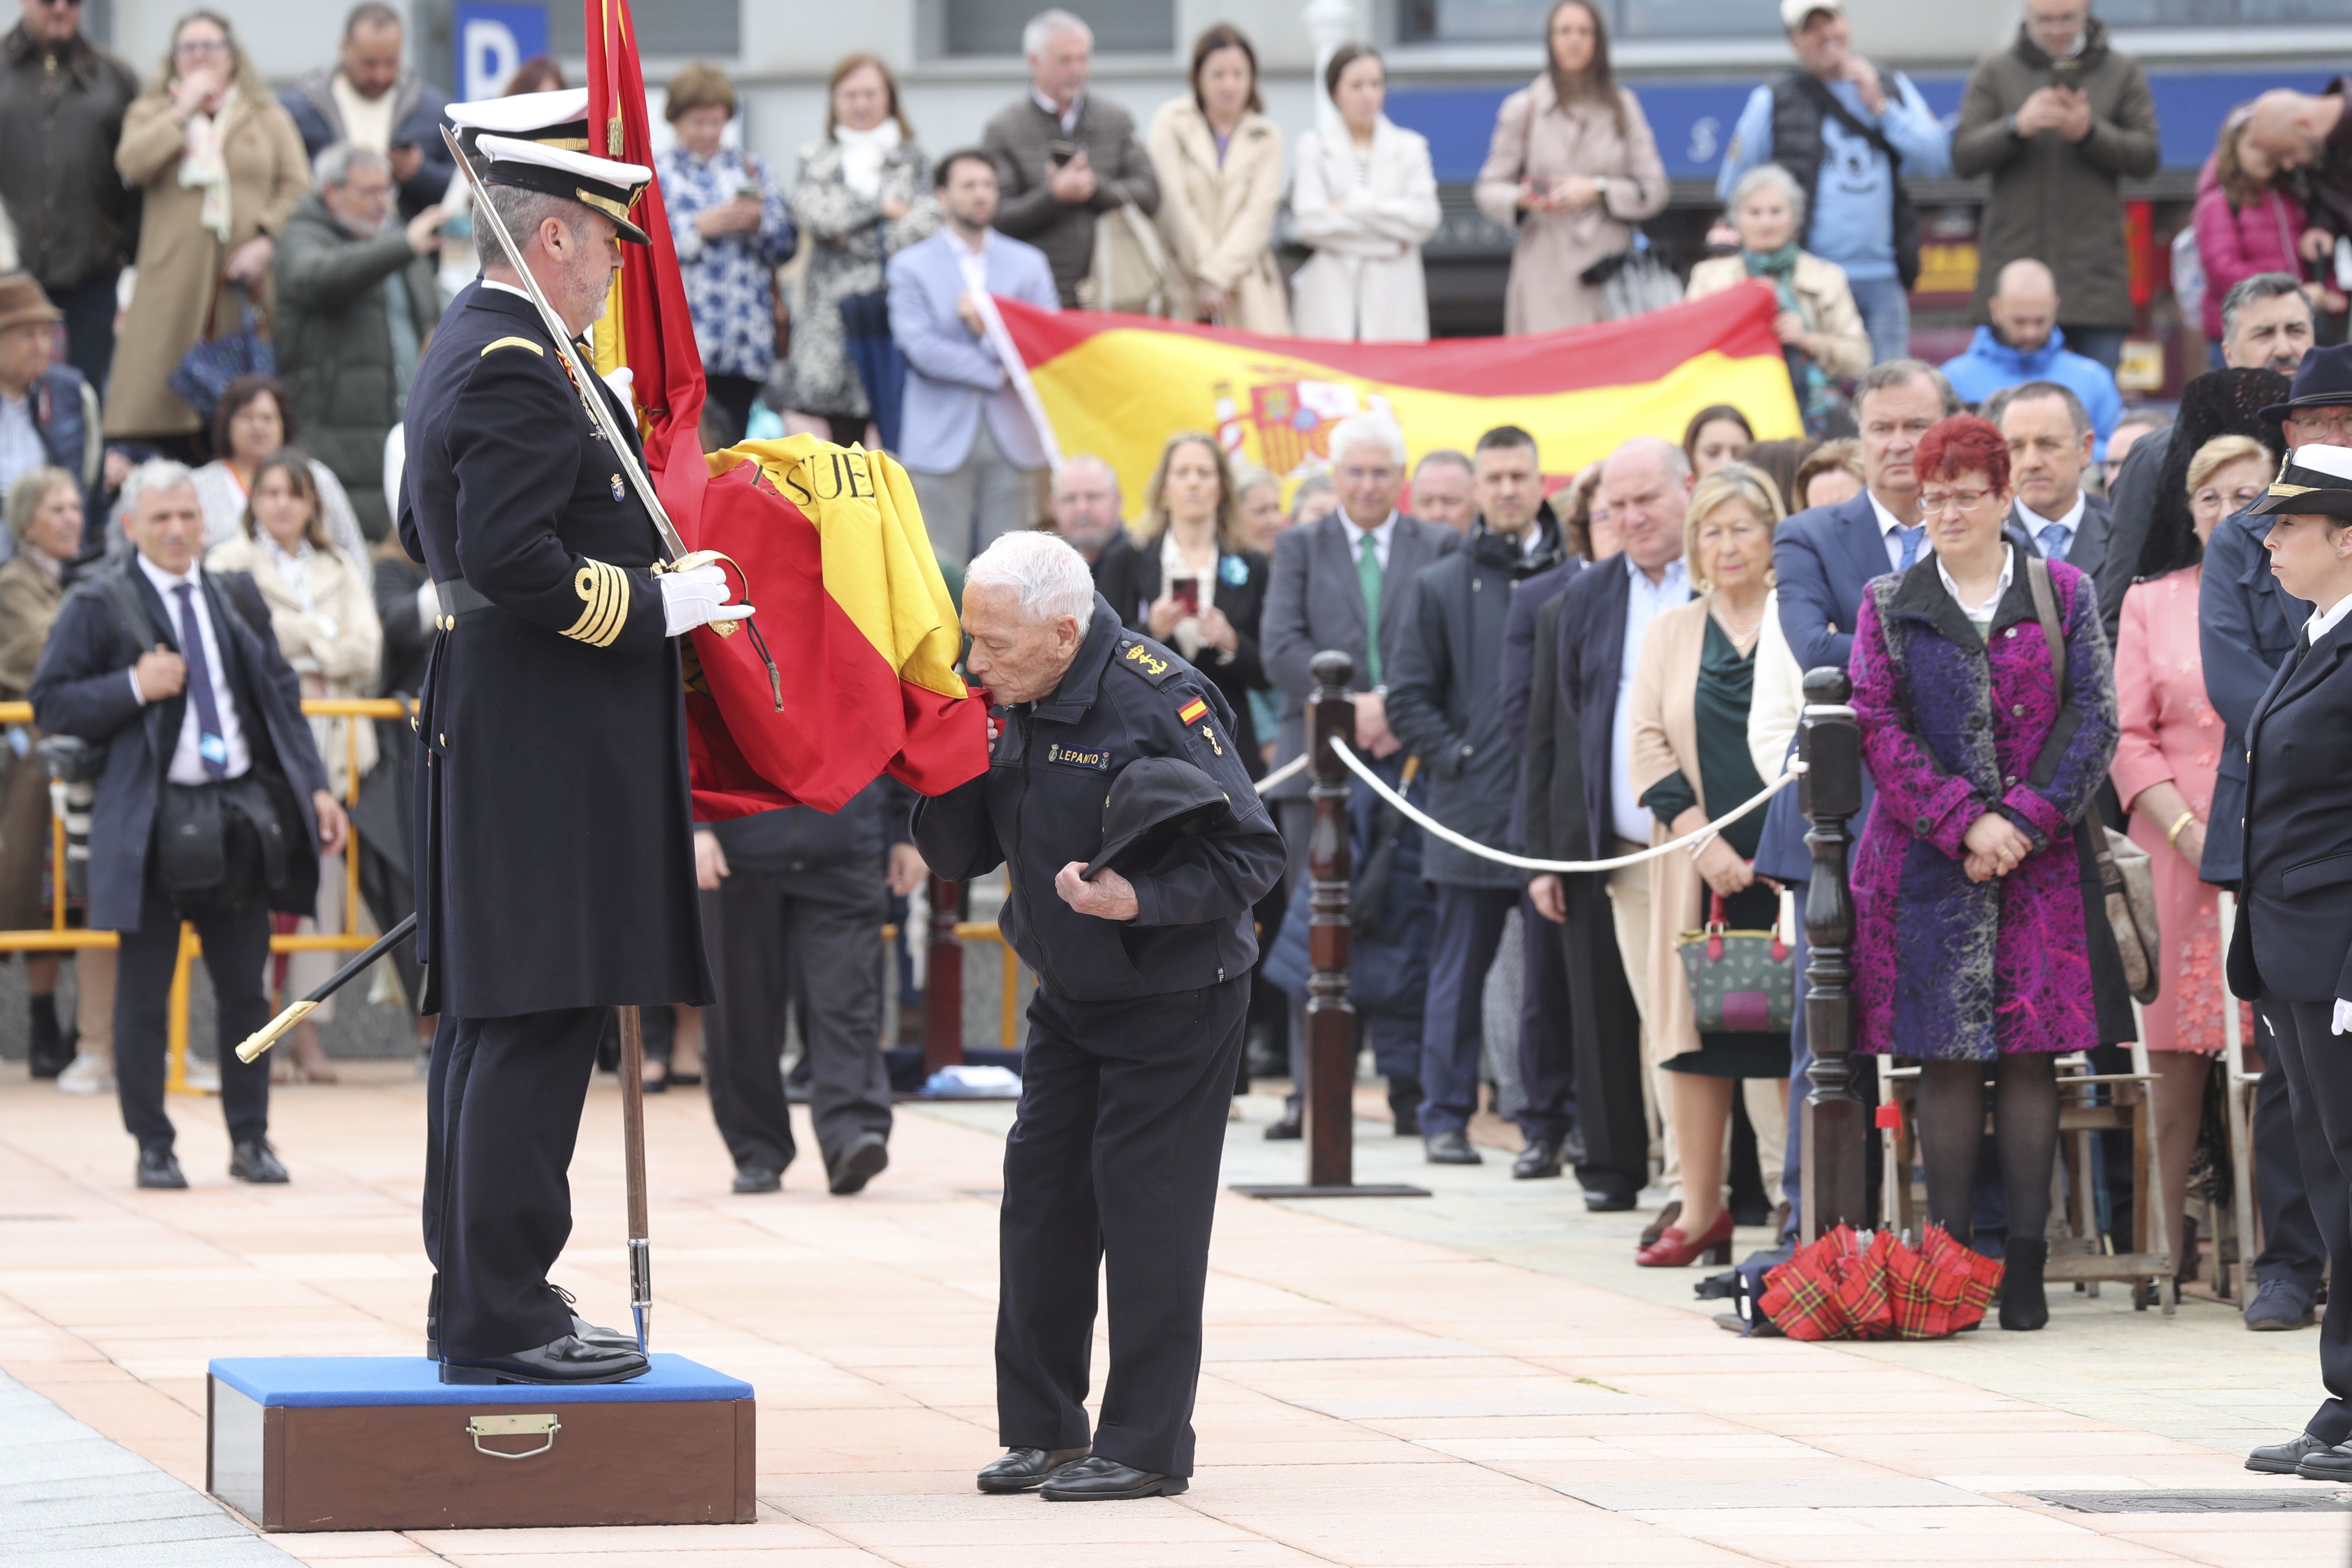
(489, 349)
(604, 592)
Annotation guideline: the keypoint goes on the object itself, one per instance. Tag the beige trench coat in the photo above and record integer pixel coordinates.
(333, 645)
(1365, 282)
(1827, 298)
(1537, 139)
(1218, 219)
(1665, 740)
(179, 258)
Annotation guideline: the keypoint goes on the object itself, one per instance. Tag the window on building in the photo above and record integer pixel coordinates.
(2221, 13)
(669, 29)
(1517, 21)
(968, 27)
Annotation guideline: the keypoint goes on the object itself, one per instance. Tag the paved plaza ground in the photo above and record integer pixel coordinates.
(1478, 1378)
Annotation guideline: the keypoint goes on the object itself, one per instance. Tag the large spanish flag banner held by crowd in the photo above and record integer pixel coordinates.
(1116, 386)
(832, 550)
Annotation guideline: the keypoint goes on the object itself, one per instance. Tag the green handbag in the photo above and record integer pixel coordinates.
(1741, 982)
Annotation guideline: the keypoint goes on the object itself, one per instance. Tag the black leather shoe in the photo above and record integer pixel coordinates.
(1571, 1149)
(564, 1361)
(2325, 1465)
(1599, 1200)
(158, 1168)
(2287, 1459)
(1450, 1147)
(2278, 1305)
(1024, 1469)
(1290, 1125)
(864, 1160)
(2024, 1304)
(1540, 1158)
(1098, 1479)
(758, 1179)
(592, 1333)
(255, 1160)
(1404, 1106)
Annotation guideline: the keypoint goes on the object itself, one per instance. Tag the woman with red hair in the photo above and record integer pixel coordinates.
(1981, 946)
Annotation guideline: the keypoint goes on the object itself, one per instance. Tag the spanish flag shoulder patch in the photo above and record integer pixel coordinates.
(1193, 713)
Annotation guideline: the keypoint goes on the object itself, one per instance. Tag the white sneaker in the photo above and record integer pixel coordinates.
(203, 1077)
(88, 1074)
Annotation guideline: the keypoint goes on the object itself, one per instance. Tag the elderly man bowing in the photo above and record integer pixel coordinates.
(1142, 955)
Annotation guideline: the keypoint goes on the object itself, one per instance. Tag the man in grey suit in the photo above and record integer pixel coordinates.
(1342, 582)
(2048, 435)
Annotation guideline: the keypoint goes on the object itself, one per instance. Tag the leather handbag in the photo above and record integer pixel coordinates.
(1741, 982)
(1130, 270)
(204, 371)
(2126, 876)
(873, 354)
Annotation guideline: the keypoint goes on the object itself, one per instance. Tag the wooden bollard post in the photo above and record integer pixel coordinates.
(1834, 1128)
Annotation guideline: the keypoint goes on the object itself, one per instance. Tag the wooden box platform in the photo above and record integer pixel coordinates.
(381, 1443)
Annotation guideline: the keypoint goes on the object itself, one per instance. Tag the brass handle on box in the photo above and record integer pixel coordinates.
(544, 1427)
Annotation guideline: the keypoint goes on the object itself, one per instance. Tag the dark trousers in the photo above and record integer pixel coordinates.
(1546, 1046)
(1453, 1025)
(88, 308)
(2291, 1249)
(2319, 1094)
(808, 942)
(236, 947)
(2104, 344)
(1112, 1164)
(733, 394)
(1605, 1039)
(502, 1115)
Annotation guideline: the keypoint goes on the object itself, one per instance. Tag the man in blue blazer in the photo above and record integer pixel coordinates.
(1822, 557)
(969, 445)
(177, 674)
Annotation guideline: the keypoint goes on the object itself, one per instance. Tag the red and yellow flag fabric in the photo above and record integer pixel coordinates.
(1117, 386)
(859, 622)
(647, 327)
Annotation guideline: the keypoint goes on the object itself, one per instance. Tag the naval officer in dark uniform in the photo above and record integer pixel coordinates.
(2291, 951)
(1135, 1031)
(554, 851)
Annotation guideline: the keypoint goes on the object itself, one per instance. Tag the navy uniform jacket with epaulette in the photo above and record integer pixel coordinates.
(1040, 806)
(555, 848)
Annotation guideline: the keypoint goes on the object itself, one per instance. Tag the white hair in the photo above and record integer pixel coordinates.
(153, 477)
(1373, 425)
(1050, 578)
(1778, 178)
(1087, 460)
(1045, 24)
(335, 164)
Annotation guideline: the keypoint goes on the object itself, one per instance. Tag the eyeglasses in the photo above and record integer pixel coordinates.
(2334, 421)
(1932, 503)
(199, 46)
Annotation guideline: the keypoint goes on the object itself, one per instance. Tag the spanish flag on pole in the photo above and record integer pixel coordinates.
(829, 542)
(1118, 385)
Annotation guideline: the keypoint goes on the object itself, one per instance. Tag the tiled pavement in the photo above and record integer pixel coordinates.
(1474, 1378)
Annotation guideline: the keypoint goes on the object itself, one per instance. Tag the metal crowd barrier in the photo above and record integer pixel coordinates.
(944, 1025)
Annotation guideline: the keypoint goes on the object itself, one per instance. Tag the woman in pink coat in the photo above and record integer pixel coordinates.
(2166, 755)
(2245, 223)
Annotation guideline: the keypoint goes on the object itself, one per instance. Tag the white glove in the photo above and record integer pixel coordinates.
(428, 607)
(698, 596)
(2343, 1025)
(621, 380)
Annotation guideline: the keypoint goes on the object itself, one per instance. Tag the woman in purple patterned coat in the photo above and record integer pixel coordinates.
(1973, 951)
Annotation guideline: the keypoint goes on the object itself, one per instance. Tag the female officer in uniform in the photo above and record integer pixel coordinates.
(2292, 950)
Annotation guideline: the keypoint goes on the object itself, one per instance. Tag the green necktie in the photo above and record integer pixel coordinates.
(1368, 577)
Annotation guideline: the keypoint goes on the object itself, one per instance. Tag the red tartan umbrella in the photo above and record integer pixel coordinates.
(1851, 1285)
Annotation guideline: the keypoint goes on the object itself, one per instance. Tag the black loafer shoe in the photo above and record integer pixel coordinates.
(2287, 1459)
(255, 1160)
(758, 1179)
(1290, 1124)
(2278, 1305)
(863, 1161)
(2324, 1463)
(567, 1360)
(1024, 1469)
(1540, 1158)
(1098, 1479)
(158, 1168)
(1450, 1147)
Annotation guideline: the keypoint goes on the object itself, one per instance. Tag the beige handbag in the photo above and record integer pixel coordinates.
(2126, 874)
(1130, 270)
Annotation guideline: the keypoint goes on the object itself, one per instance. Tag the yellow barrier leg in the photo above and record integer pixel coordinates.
(176, 1080)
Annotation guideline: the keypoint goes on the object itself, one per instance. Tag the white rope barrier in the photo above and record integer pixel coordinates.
(1691, 841)
(1283, 773)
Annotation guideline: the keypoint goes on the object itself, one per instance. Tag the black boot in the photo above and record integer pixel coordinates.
(2022, 1304)
(46, 1054)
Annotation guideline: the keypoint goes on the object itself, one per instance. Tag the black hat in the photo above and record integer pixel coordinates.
(600, 184)
(2314, 480)
(1158, 798)
(2323, 380)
